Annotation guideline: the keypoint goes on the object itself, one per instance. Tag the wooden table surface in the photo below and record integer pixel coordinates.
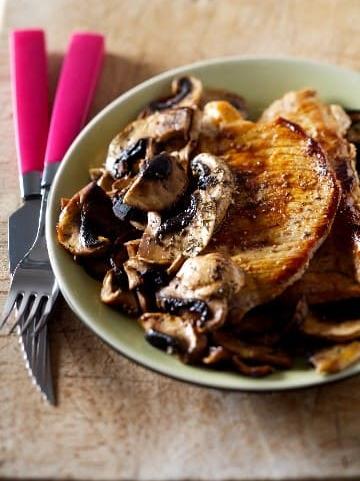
(116, 420)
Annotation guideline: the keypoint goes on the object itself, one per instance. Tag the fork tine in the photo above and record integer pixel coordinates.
(21, 308)
(9, 305)
(44, 316)
(33, 312)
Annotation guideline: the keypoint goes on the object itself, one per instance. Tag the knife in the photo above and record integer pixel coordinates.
(29, 75)
(31, 116)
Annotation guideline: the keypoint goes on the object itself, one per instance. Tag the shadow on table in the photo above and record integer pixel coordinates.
(118, 75)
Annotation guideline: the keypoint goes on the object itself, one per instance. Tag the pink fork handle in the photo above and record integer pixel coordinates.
(30, 97)
(76, 87)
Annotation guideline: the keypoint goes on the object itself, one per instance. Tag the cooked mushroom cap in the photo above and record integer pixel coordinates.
(211, 278)
(252, 371)
(217, 95)
(188, 231)
(103, 178)
(189, 342)
(248, 352)
(186, 92)
(87, 222)
(160, 183)
(311, 325)
(115, 293)
(337, 358)
(129, 147)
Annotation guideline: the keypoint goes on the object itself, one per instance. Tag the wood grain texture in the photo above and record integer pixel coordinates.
(116, 420)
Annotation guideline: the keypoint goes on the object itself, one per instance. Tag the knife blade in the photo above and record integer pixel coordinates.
(31, 117)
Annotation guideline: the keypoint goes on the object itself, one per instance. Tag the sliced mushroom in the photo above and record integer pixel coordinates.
(188, 228)
(217, 355)
(125, 212)
(86, 224)
(204, 286)
(132, 247)
(235, 100)
(337, 358)
(115, 292)
(160, 183)
(103, 178)
(130, 147)
(188, 341)
(96, 267)
(253, 353)
(186, 92)
(64, 202)
(311, 325)
(251, 371)
(135, 271)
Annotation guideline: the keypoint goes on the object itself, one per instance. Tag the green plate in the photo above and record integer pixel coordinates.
(260, 81)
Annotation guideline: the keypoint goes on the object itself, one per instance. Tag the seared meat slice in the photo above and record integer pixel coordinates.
(334, 272)
(285, 203)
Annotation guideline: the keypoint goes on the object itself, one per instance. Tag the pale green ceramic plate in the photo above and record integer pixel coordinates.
(260, 81)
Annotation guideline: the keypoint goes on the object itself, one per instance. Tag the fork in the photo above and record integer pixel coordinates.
(33, 290)
(33, 287)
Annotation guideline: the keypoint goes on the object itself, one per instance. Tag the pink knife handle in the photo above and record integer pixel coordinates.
(30, 97)
(75, 90)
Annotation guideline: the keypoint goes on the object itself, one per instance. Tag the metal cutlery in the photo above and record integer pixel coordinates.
(33, 288)
(31, 119)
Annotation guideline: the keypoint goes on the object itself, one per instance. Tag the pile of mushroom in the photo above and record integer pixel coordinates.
(142, 222)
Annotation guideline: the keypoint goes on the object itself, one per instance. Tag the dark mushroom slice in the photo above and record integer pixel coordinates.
(87, 223)
(186, 92)
(96, 267)
(217, 355)
(131, 146)
(127, 213)
(252, 353)
(188, 228)
(204, 286)
(190, 344)
(232, 98)
(132, 247)
(103, 178)
(337, 358)
(161, 182)
(311, 325)
(115, 292)
(146, 280)
(251, 371)
(162, 341)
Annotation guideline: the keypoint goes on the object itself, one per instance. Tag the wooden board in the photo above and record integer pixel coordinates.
(116, 420)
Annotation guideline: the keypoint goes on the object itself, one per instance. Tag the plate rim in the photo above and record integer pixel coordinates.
(258, 388)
